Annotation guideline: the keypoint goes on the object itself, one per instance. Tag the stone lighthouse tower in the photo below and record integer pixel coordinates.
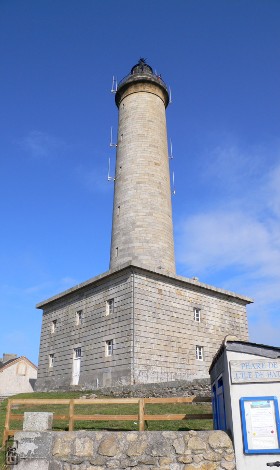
(142, 217)
(139, 322)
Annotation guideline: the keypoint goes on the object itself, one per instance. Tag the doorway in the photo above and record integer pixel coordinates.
(76, 366)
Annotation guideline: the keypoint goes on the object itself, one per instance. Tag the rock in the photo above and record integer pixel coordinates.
(185, 458)
(179, 445)
(108, 446)
(228, 465)
(62, 446)
(137, 448)
(83, 446)
(202, 466)
(195, 443)
(219, 439)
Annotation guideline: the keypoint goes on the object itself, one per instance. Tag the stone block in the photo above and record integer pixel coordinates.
(37, 421)
(108, 446)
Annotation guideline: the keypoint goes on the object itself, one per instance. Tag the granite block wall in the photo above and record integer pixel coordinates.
(102, 450)
(97, 369)
(152, 327)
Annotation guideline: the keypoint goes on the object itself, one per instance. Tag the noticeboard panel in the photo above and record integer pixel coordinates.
(260, 425)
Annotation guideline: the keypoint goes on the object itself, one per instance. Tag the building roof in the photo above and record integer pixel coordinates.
(7, 364)
(246, 347)
(166, 275)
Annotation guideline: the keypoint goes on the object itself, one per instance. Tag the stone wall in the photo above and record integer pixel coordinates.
(177, 388)
(166, 333)
(97, 369)
(101, 450)
(152, 328)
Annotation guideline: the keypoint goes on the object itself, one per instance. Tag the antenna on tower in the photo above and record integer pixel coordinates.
(110, 178)
(111, 141)
(114, 85)
(171, 150)
(173, 184)
(170, 96)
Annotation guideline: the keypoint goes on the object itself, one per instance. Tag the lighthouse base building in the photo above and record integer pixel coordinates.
(139, 322)
(134, 326)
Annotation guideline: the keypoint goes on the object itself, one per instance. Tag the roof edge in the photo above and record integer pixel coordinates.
(17, 359)
(129, 265)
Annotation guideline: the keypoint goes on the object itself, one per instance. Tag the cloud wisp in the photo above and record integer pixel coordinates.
(41, 145)
(237, 236)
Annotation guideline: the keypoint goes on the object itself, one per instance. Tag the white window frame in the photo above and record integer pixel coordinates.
(110, 307)
(109, 347)
(199, 353)
(51, 361)
(53, 326)
(79, 317)
(197, 314)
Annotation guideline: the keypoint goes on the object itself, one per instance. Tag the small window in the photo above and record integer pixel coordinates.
(109, 347)
(199, 353)
(196, 314)
(110, 307)
(117, 252)
(79, 317)
(77, 353)
(21, 369)
(51, 360)
(119, 209)
(53, 326)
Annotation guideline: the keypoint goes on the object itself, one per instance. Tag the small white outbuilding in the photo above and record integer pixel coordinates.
(17, 375)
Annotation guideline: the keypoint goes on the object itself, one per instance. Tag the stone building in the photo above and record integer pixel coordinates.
(139, 322)
(17, 375)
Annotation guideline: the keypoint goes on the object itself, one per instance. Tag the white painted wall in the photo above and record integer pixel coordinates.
(15, 378)
(233, 393)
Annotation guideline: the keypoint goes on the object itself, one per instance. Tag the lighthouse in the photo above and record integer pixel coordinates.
(142, 229)
(139, 322)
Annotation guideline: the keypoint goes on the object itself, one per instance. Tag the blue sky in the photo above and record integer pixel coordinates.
(57, 58)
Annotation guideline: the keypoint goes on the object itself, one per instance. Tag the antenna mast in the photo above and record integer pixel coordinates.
(173, 184)
(110, 178)
(111, 141)
(170, 96)
(171, 150)
(114, 85)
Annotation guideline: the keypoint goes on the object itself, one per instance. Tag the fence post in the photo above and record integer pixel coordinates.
(71, 415)
(7, 422)
(141, 414)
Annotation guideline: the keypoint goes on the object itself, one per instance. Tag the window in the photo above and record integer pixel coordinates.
(51, 360)
(196, 314)
(117, 252)
(109, 347)
(199, 353)
(79, 317)
(53, 326)
(21, 368)
(110, 307)
(77, 353)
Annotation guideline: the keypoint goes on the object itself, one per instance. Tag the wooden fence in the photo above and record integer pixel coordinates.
(142, 417)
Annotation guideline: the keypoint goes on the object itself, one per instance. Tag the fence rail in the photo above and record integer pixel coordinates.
(142, 417)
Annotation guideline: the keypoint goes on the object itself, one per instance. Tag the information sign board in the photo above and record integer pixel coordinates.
(260, 425)
(255, 371)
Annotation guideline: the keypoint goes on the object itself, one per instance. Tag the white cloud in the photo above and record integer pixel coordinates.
(42, 145)
(238, 236)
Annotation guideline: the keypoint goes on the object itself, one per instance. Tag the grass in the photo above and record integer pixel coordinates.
(171, 408)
